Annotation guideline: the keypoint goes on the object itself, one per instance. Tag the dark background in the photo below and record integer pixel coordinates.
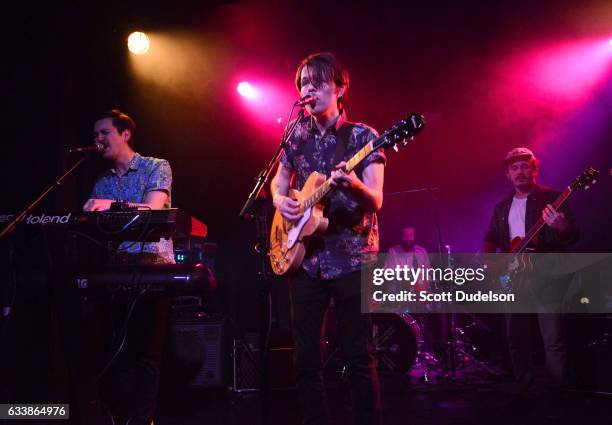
(448, 60)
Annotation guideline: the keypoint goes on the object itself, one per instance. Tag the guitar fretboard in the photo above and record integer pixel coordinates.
(327, 185)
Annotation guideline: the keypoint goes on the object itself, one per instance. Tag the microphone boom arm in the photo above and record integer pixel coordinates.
(9, 227)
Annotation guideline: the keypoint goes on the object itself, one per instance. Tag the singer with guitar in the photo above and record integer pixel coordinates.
(512, 219)
(322, 142)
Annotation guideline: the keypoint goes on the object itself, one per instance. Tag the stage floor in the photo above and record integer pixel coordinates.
(472, 398)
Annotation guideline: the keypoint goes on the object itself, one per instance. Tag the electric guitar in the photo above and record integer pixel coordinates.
(287, 239)
(522, 260)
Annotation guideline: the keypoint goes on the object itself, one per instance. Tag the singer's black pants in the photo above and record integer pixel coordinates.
(310, 299)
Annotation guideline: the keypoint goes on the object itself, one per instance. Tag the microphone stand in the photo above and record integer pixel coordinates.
(451, 325)
(38, 200)
(447, 319)
(255, 209)
(10, 228)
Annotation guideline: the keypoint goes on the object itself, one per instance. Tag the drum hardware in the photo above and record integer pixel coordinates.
(457, 341)
(426, 361)
(464, 346)
(459, 348)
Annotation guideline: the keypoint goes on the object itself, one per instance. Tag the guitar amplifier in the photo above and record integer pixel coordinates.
(195, 351)
(247, 361)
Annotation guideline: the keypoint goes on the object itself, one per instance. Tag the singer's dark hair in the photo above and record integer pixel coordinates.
(121, 121)
(324, 67)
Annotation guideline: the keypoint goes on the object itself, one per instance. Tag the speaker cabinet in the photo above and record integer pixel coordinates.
(196, 353)
(246, 365)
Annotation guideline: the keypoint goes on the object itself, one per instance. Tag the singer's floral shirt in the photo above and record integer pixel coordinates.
(144, 175)
(352, 234)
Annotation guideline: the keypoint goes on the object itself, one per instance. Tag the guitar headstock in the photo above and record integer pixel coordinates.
(401, 133)
(586, 179)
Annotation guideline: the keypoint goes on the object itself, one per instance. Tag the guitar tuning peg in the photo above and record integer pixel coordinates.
(395, 148)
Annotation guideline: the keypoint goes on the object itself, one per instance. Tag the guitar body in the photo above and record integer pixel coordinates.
(523, 259)
(287, 240)
(522, 262)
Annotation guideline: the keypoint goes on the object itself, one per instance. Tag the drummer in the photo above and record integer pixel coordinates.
(408, 253)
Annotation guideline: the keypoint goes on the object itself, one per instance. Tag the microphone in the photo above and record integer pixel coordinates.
(309, 99)
(96, 147)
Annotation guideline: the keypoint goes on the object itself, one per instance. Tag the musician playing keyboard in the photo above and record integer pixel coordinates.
(142, 182)
(130, 386)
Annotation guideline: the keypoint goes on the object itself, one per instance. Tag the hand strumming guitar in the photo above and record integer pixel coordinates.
(554, 219)
(289, 208)
(345, 181)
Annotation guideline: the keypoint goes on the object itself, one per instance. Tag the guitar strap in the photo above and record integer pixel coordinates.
(342, 139)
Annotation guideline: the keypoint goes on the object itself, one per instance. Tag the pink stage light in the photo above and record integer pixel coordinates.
(247, 90)
(558, 76)
(544, 87)
(265, 100)
(568, 72)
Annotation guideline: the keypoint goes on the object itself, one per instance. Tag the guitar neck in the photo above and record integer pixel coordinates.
(350, 166)
(540, 223)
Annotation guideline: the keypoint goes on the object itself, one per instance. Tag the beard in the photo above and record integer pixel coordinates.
(524, 184)
(408, 246)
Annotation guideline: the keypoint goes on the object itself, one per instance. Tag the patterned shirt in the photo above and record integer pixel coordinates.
(352, 232)
(144, 175)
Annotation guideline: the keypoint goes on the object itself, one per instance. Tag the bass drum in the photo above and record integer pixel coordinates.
(396, 340)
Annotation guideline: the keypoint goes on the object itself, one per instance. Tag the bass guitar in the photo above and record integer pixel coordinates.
(522, 260)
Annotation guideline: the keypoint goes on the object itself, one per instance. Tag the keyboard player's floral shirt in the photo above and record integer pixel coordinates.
(144, 175)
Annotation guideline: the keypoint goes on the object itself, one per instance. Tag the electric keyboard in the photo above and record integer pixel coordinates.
(173, 279)
(130, 225)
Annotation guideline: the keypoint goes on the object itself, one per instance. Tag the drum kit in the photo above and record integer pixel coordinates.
(427, 342)
(417, 344)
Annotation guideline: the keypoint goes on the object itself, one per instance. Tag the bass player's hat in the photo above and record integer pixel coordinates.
(518, 154)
